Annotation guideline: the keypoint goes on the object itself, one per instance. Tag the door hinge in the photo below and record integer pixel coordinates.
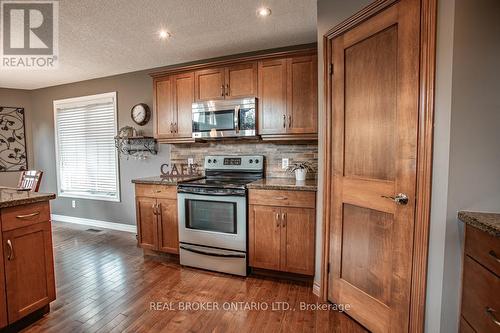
(328, 268)
(330, 70)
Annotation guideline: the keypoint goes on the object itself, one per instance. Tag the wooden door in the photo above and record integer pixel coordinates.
(147, 224)
(209, 84)
(241, 80)
(302, 94)
(264, 236)
(29, 269)
(297, 239)
(168, 229)
(164, 108)
(272, 96)
(375, 89)
(183, 101)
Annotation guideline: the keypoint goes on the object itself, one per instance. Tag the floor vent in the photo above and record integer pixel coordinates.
(93, 230)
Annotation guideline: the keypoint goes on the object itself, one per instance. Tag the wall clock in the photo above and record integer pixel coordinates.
(140, 114)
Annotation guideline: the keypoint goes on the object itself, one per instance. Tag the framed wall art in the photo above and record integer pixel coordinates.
(13, 156)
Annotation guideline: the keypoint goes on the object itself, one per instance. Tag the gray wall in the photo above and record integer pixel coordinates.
(330, 13)
(18, 98)
(474, 151)
(131, 89)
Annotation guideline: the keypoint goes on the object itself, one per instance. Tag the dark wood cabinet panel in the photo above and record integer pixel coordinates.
(147, 228)
(163, 108)
(168, 229)
(29, 269)
(3, 296)
(297, 236)
(183, 100)
(272, 96)
(264, 237)
(241, 80)
(302, 95)
(209, 84)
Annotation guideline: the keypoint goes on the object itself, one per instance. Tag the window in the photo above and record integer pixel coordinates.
(87, 160)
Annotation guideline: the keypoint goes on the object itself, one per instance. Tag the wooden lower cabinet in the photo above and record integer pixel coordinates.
(29, 269)
(27, 282)
(282, 238)
(157, 227)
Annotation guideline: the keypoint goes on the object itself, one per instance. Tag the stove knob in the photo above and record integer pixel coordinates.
(209, 161)
(251, 161)
(215, 161)
(256, 161)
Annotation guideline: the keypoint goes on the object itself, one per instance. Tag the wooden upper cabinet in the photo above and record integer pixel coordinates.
(29, 269)
(209, 84)
(241, 80)
(288, 98)
(302, 95)
(183, 101)
(168, 240)
(163, 108)
(146, 223)
(174, 96)
(272, 96)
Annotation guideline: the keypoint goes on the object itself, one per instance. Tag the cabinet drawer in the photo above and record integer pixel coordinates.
(25, 215)
(282, 198)
(484, 248)
(480, 292)
(156, 191)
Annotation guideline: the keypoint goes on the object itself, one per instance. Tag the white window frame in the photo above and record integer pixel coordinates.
(83, 99)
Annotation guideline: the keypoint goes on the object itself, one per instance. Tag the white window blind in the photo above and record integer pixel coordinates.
(87, 160)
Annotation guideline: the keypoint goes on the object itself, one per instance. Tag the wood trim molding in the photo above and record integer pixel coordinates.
(428, 13)
(94, 223)
(359, 17)
(301, 50)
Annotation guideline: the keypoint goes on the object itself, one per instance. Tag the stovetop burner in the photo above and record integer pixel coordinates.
(219, 183)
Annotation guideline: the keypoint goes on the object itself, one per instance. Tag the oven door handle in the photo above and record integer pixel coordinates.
(213, 254)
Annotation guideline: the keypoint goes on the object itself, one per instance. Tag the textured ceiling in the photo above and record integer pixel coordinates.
(106, 37)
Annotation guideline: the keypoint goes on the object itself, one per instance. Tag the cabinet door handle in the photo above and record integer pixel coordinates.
(27, 216)
(491, 313)
(283, 220)
(222, 90)
(281, 198)
(154, 209)
(171, 127)
(494, 255)
(277, 220)
(227, 89)
(289, 121)
(158, 209)
(10, 256)
(284, 121)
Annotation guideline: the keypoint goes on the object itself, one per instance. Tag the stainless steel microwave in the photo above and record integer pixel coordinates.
(224, 119)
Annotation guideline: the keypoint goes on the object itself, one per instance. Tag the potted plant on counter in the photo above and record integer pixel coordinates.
(300, 169)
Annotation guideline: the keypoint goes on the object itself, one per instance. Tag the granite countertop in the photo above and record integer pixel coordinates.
(10, 197)
(487, 222)
(283, 184)
(157, 180)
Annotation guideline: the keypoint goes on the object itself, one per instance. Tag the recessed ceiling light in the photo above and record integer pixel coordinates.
(264, 11)
(164, 34)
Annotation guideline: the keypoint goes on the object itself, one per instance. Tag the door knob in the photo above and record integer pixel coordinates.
(399, 199)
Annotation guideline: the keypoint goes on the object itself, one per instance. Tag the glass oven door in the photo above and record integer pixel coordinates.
(215, 216)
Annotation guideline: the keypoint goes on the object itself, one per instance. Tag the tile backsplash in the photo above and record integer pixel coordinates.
(273, 152)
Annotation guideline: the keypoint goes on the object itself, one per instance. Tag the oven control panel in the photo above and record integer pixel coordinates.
(221, 162)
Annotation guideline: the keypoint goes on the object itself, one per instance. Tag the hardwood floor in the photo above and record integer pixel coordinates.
(104, 284)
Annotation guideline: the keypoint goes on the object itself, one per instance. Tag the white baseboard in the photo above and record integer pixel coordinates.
(95, 223)
(316, 288)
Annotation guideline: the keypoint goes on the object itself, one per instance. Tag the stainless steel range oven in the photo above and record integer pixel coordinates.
(213, 214)
(224, 118)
